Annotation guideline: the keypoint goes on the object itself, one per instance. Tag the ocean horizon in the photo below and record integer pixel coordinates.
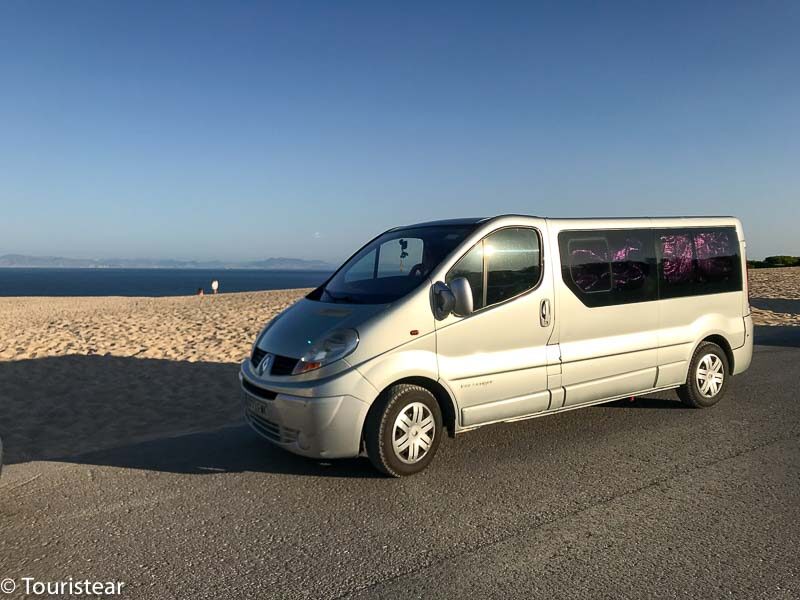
(152, 282)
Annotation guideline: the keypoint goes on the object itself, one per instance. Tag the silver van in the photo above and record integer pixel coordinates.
(446, 326)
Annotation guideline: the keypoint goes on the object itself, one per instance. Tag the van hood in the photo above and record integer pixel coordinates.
(303, 323)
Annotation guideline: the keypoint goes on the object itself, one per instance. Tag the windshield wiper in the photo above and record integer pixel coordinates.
(343, 299)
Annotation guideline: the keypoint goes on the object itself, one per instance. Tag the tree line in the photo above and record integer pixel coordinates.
(775, 261)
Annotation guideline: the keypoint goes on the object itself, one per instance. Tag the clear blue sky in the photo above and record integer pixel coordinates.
(243, 129)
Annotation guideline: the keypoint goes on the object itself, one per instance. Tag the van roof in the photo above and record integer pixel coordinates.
(444, 222)
(479, 220)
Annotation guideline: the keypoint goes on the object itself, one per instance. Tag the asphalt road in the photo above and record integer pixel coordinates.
(627, 500)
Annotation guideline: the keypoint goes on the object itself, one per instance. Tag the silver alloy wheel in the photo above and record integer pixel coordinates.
(413, 433)
(710, 374)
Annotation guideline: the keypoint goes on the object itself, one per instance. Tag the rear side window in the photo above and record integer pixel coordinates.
(590, 266)
(693, 262)
(608, 267)
(677, 259)
(503, 265)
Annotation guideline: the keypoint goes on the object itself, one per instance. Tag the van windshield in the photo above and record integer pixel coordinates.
(392, 265)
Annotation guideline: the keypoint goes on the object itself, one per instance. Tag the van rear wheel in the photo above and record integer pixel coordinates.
(403, 430)
(708, 377)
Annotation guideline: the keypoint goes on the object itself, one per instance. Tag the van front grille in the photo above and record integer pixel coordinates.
(258, 356)
(281, 365)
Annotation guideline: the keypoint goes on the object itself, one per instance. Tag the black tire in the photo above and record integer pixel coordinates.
(380, 425)
(690, 392)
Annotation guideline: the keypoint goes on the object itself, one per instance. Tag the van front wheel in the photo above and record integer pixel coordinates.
(403, 430)
(708, 377)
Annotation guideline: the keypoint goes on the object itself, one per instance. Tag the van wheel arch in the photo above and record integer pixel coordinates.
(446, 404)
(722, 343)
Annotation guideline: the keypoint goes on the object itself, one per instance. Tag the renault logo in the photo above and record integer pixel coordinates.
(265, 365)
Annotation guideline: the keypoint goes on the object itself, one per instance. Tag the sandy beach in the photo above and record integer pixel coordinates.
(221, 328)
(192, 328)
(80, 374)
(775, 296)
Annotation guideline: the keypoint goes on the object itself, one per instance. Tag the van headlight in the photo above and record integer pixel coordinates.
(331, 347)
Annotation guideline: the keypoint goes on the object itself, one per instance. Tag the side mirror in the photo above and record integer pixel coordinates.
(443, 300)
(462, 290)
(455, 298)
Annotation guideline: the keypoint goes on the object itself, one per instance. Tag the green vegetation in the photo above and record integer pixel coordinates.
(775, 261)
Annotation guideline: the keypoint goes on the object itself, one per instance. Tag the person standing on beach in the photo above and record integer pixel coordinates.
(215, 286)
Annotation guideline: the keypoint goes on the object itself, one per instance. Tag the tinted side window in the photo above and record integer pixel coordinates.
(590, 266)
(698, 261)
(718, 262)
(502, 265)
(677, 261)
(609, 267)
(471, 267)
(512, 263)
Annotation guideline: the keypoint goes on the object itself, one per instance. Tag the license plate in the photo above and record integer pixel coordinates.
(259, 408)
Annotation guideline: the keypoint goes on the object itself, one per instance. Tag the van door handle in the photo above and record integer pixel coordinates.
(544, 313)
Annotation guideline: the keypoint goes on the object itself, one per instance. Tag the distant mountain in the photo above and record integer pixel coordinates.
(272, 264)
(289, 263)
(20, 260)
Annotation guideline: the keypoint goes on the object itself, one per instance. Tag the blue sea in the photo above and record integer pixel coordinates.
(148, 282)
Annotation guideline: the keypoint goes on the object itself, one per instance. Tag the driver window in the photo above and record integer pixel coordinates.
(471, 268)
(513, 265)
(503, 265)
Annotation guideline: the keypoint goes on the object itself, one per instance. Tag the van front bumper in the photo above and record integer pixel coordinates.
(304, 419)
